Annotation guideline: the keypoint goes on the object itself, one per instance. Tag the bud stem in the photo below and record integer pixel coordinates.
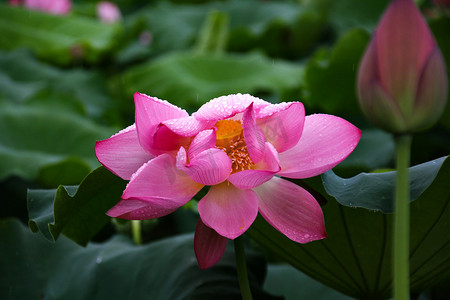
(241, 266)
(401, 218)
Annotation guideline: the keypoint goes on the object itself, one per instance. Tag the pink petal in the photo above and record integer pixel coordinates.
(381, 108)
(263, 171)
(403, 42)
(209, 246)
(122, 154)
(432, 90)
(254, 137)
(188, 126)
(228, 210)
(326, 141)
(282, 124)
(160, 183)
(291, 210)
(131, 209)
(165, 140)
(209, 167)
(150, 112)
(204, 140)
(368, 68)
(375, 100)
(227, 106)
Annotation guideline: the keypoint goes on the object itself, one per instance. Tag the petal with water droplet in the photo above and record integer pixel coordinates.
(291, 210)
(326, 141)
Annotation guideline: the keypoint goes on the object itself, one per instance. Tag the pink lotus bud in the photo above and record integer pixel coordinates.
(108, 12)
(402, 81)
(56, 7)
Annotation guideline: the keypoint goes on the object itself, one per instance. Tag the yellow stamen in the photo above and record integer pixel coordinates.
(230, 138)
(228, 129)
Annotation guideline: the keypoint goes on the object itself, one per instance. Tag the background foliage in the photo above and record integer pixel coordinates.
(67, 81)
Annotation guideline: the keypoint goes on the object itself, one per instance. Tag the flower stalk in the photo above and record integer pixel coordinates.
(136, 231)
(241, 266)
(214, 34)
(401, 218)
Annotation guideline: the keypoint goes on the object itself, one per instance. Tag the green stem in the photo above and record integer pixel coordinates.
(401, 219)
(214, 34)
(136, 231)
(241, 266)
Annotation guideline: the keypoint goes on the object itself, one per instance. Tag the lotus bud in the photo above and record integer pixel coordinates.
(108, 12)
(402, 81)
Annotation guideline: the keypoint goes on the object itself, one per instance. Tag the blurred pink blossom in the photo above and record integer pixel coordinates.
(108, 12)
(56, 7)
(146, 38)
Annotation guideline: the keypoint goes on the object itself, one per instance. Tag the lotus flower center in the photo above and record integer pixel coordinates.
(230, 138)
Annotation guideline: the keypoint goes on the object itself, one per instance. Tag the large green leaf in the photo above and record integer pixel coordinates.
(33, 268)
(35, 137)
(283, 279)
(376, 190)
(189, 80)
(279, 28)
(25, 80)
(61, 39)
(330, 76)
(79, 213)
(356, 257)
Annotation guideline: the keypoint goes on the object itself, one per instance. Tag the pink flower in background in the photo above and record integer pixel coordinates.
(402, 81)
(108, 12)
(56, 7)
(145, 38)
(236, 145)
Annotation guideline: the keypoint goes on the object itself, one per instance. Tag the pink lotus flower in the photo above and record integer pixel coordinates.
(402, 82)
(108, 12)
(235, 144)
(56, 7)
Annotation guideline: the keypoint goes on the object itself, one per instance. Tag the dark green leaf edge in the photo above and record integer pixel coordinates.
(40, 209)
(76, 211)
(375, 191)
